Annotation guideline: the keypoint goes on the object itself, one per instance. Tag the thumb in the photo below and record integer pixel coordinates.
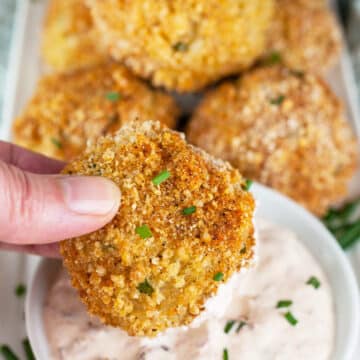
(37, 209)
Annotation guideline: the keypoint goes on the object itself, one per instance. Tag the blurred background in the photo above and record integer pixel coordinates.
(349, 13)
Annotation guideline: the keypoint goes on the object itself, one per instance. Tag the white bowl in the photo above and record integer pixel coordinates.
(280, 210)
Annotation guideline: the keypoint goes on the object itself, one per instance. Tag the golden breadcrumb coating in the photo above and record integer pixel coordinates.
(306, 35)
(160, 279)
(68, 109)
(183, 45)
(70, 40)
(283, 128)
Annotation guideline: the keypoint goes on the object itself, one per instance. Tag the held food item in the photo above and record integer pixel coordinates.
(283, 128)
(305, 35)
(183, 45)
(284, 305)
(185, 225)
(68, 109)
(70, 40)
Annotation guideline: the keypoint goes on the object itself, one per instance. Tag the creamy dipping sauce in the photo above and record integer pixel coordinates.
(260, 329)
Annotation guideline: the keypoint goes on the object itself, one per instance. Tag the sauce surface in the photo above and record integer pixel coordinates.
(249, 300)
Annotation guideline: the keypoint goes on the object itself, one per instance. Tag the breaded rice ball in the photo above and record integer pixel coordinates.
(283, 128)
(70, 40)
(185, 225)
(306, 35)
(183, 45)
(68, 109)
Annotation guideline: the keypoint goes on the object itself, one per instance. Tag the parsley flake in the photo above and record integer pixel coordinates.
(278, 100)
(314, 281)
(145, 287)
(56, 142)
(189, 210)
(113, 96)
(158, 179)
(283, 303)
(290, 318)
(218, 276)
(20, 290)
(144, 231)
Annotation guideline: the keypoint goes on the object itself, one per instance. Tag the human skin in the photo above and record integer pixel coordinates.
(39, 207)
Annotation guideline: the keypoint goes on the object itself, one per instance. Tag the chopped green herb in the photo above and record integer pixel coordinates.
(229, 325)
(225, 354)
(342, 224)
(144, 231)
(113, 96)
(247, 185)
(278, 100)
(218, 276)
(243, 250)
(273, 58)
(189, 210)
(180, 46)
(56, 142)
(7, 353)
(158, 179)
(283, 303)
(314, 281)
(297, 73)
(145, 287)
(240, 326)
(28, 350)
(20, 290)
(290, 318)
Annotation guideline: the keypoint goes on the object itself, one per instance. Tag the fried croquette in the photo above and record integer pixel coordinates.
(68, 109)
(183, 45)
(305, 34)
(185, 225)
(283, 128)
(70, 40)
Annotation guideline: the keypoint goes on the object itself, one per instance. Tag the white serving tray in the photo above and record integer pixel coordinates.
(25, 67)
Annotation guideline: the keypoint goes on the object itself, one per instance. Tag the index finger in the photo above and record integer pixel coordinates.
(29, 160)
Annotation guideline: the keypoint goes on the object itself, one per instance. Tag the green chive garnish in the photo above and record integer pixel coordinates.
(247, 184)
(20, 290)
(145, 287)
(143, 231)
(113, 96)
(314, 281)
(158, 179)
(180, 46)
(278, 100)
(297, 73)
(7, 353)
(218, 276)
(290, 318)
(240, 326)
(273, 58)
(189, 210)
(225, 354)
(283, 303)
(56, 142)
(229, 325)
(28, 350)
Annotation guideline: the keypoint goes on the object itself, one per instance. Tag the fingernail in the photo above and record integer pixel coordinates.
(87, 195)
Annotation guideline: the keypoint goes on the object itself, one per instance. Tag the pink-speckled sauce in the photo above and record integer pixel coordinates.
(281, 273)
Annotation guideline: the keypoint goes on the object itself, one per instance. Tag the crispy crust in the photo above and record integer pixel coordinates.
(70, 40)
(185, 251)
(68, 109)
(300, 145)
(183, 44)
(306, 34)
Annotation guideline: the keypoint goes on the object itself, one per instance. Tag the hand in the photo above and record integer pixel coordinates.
(39, 207)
